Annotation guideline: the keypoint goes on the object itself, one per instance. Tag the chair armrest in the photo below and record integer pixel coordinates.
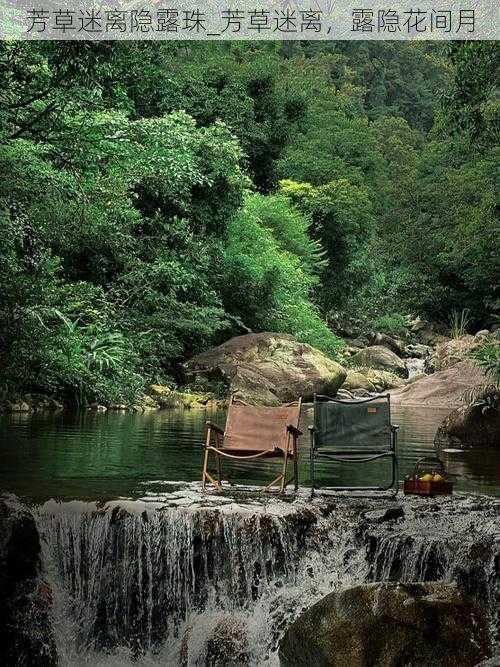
(210, 424)
(293, 429)
(394, 427)
(311, 428)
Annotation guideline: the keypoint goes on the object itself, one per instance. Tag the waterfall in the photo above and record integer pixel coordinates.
(415, 367)
(193, 585)
(179, 585)
(451, 546)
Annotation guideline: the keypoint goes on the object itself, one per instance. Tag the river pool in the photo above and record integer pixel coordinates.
(90, 455)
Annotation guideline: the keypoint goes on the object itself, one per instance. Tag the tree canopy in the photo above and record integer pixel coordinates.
(157, 198)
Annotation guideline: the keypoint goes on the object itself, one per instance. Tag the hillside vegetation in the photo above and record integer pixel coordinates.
(158, 198)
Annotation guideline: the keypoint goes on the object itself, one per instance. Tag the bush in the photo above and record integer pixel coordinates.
(394, 323)
(488, 357)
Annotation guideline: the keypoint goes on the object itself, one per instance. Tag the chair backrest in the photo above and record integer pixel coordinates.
(351, 424)
(250, 427)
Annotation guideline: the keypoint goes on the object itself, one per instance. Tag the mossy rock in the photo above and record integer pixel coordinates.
(380, 358)
(268, 369)
(159, 390)
(381, 380)
(389, 624)
(355, 380)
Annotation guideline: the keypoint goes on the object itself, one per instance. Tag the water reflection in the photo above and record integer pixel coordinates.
(89, 455)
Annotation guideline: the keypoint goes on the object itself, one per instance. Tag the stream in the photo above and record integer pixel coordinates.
(145, 569)
(96, 456)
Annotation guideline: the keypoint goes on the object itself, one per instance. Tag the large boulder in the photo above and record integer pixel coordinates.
(396, 345)
(451, 352)
(221, 640)
(380, 358)
(469, 426)
(356, 380)
(444, 388)
(388, 625)
(269, 368)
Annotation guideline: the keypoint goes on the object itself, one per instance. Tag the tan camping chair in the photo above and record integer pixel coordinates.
(254, 432)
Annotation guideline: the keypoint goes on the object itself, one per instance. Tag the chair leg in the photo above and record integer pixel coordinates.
(285, 463)
(206, 475)
(283, 478)
(205, 465)
(296, 464)
(219, 469)
(311, 456)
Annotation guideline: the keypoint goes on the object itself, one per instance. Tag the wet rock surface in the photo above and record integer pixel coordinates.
(181, 564)
(224, 643)
(469, 426)
(25, 634)
(389, 624)
(385, 514)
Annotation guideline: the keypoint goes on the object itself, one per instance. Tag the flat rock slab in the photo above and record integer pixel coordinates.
(444, 388)
(385, 514)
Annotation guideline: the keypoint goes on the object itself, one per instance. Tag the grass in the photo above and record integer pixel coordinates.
(459, 323)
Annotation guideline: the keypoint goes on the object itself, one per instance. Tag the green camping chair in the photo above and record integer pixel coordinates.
(354, 431)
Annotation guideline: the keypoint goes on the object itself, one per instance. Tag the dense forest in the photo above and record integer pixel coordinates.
(158, 198)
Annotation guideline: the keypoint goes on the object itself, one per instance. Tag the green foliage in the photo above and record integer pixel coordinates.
(488, 357)
(486, 396)
(122, 243)
(239, 84)
(268, 272)
(342, 222)
(459, 323)
(393, 323)
(470, 105)
(129, 234)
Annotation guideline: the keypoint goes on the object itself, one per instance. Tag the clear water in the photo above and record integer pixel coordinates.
(124, 455)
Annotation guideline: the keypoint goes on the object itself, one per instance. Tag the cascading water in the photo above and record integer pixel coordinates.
(415, 366)
(218, 584)
(182, 585)
(454, 545)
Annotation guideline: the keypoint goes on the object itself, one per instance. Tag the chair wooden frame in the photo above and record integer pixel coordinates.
(214, 444)
(356, 455)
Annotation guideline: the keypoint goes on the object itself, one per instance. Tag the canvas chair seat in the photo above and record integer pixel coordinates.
(266, 453)
(255, 432)
(255, 429)
(353, 431)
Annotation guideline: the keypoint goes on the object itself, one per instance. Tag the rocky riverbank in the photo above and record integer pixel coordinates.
(421, 367)
(158, 397)
(186, 578)
(26, 636)
(270, 368)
